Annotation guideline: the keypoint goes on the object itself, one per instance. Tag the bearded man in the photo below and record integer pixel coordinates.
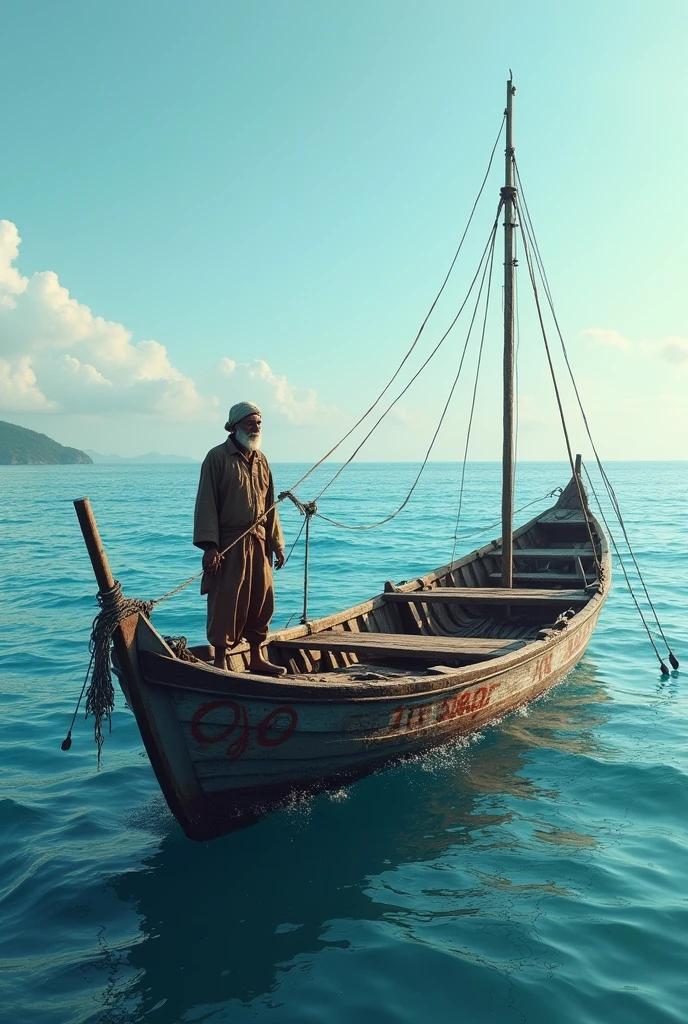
(234, 492)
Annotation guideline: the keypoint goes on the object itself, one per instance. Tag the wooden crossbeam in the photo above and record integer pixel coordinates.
(540, 577)
(490, 595)
(580, 550)
(402, 645)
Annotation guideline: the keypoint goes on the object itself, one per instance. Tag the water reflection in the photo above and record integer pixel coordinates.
(219, 921)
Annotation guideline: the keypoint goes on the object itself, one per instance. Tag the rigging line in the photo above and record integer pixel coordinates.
(603, 473)
(298, 538)
(475, 391)
(557, 394)
(551, 494)
(372, 526)
(260, 519)
(483, 259)
(664, 668)
(423, 324)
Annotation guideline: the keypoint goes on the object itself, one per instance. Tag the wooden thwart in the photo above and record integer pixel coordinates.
(576, 552)
(540, 577)
(402, 645)
(490, 595)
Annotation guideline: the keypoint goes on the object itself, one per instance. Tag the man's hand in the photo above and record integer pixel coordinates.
(211, 561)
(279, 558)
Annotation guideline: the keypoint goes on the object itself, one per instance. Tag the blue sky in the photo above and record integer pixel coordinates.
(226, 200)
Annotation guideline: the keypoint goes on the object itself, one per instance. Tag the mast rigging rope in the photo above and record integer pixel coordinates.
(485, 263)
(603, 474)
(423, 324)
(475, 392)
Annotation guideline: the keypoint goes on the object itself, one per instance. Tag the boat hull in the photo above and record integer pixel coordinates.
(245, 752)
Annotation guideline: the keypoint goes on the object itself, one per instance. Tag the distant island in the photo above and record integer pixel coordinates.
(22, 447)
(147, 459)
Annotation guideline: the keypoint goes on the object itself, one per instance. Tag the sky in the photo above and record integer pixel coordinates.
(211, 202)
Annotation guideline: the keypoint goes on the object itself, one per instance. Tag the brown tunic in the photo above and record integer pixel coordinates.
(233, 491)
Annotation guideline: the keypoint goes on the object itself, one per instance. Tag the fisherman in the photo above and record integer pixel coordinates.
(234, 491)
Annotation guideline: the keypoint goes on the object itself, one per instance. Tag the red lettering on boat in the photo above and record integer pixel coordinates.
(406, 718)
(481, 697)
(269, 720)
(397, 715)
(543, 666)
(238, 746)
(240, 721)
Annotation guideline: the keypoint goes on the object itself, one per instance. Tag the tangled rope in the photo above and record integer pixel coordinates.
(100, 693)
(179, 647)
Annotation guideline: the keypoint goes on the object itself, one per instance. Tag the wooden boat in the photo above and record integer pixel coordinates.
(416, 666)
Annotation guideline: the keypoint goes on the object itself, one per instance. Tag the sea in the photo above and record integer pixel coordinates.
(536, 872)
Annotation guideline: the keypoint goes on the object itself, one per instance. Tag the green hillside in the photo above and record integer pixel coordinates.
(21, 447)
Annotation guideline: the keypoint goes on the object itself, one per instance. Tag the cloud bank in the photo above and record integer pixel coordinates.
(56, 356)
(256, 381)
(672, 350)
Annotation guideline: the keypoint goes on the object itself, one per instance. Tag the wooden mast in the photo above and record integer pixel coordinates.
(508, 195)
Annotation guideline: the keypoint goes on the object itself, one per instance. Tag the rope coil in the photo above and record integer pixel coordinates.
(100, 693)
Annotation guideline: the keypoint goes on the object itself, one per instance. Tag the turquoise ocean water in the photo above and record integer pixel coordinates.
(537, 873)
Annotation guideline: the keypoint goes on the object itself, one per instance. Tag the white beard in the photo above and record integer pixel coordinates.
(250, 441)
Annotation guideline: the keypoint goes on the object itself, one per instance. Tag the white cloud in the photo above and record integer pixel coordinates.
(674, 350)
(610, 339)
(11, 281)
(56, 356)
(18, 389)
(413, 419)
(272, 391)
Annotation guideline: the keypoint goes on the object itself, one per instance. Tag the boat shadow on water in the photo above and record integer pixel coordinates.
(224, 920)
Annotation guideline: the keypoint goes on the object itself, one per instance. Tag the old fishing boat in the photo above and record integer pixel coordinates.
(421, 663)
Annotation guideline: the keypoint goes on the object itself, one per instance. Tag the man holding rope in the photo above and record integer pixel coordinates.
(234, 492)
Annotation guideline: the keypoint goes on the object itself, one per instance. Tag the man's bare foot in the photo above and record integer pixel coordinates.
(220, 659)
(263, 667)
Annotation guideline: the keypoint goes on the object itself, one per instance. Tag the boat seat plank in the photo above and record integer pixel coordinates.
(403, 645)
(540, 577)
(490, 595)
(574, 552)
